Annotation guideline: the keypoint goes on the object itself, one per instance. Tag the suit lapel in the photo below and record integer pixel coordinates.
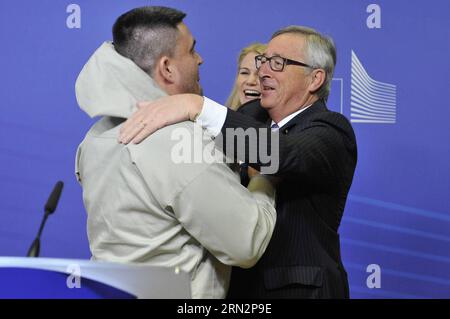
(303, 118)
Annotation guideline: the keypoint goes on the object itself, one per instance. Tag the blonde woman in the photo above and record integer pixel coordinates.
(246, 86)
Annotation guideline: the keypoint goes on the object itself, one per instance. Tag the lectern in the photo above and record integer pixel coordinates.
(83, 279)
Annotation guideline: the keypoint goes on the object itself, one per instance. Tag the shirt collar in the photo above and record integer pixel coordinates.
(284, 121)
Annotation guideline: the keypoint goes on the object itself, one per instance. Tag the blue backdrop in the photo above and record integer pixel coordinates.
(391, 76)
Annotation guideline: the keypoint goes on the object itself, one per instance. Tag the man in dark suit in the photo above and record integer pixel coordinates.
(317, 157)
(317, 161)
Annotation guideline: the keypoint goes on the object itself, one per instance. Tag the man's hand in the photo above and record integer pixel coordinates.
(252, 172)
(152, 116)
(263, 184)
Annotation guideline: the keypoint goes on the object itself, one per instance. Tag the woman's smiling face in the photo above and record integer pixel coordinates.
(248, 80)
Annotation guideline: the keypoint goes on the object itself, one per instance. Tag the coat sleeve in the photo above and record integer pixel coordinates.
(234, 223)
(315, 153)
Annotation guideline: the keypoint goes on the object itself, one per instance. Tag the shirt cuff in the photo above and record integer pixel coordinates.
(212, 116)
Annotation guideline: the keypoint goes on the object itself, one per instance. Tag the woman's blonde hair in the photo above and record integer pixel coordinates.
(233, 101)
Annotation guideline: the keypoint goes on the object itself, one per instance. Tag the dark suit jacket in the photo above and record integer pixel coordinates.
(317, 154)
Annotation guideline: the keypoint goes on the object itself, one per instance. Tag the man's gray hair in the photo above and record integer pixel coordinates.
(320, 53)
(145, 34)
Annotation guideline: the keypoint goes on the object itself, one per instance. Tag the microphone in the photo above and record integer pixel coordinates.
(49, 208)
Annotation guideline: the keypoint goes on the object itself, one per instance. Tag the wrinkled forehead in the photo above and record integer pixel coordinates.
(287, 45)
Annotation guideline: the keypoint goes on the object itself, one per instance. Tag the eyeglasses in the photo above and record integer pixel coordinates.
(277, 63)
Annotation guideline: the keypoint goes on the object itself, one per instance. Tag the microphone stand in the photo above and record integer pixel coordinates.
(36, 245)
(50, 207)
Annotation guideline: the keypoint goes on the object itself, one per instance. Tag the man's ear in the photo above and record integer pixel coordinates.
(165, 69)
(318, 77)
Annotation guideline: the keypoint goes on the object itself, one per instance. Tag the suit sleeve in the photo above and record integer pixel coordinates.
(316, 153)
(233, 223)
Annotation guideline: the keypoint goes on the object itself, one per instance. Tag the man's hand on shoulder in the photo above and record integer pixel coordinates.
(154, 115)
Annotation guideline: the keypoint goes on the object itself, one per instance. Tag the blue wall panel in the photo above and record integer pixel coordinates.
(397, 214)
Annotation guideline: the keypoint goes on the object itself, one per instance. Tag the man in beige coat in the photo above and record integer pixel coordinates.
(144, 204)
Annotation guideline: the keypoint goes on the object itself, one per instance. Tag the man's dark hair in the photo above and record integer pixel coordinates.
(145, 34)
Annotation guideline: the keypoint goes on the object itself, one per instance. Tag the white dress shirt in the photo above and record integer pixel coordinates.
(213, 115)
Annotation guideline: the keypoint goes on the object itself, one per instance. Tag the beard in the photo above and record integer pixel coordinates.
(192, 85)
(196, 89)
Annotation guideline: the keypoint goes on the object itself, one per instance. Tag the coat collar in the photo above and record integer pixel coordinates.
(302, 118)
